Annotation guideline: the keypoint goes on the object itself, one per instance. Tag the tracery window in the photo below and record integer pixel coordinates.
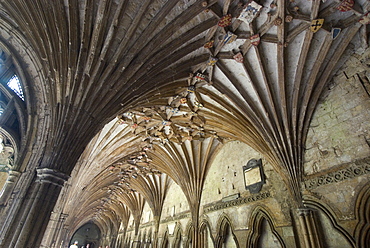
(15, 85)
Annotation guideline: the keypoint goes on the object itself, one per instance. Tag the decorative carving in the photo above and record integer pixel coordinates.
(176, 122)
(209, 44)
(316, 25)
(335, 32)
(353, 170)
(6, 154)
(46, 175)
(225, 21)
(240, 201)
(212, 61)
(345, 5)
(239, 57)
(255, 39)
(229, 38)
(288, 18)
(365, 19)
(178, 216)
(278, 21)
(250, 12)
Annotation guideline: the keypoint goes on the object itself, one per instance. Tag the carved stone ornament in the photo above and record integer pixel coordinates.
(212, 61)
(209, 44)
(239, 57)
(316, 25)
(365, 19)
(177, 121)
(352, 171)
(250, 12)
(225, 21)
(346, 5)
(288, 18)
(278, 21)
(255, 39)
(335, 32)
(229, 38)
(233, 203)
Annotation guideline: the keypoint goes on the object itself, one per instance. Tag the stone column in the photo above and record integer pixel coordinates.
(308, 226)
(54, 229)
(36, 209)
(9, 186)
(136, 242)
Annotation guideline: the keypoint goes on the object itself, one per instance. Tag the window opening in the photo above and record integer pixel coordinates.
(15, 85)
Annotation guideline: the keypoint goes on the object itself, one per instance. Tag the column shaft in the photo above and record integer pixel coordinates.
(35, 214)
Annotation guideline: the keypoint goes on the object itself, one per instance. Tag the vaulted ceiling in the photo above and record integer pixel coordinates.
(175, 79)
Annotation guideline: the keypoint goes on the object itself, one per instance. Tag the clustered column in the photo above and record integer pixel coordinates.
(36, 209)
(308, 226)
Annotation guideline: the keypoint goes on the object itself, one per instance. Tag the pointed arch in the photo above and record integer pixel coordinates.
(325, 211)
(362, 231)
(189, 231)
(149, 240)
(143, 238)
(224, 230)
(165, 242)
(178, 237)
(260, 217)
(206, 238)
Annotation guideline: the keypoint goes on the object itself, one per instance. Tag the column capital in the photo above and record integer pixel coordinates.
(13, 176)
(47, 175)
(304, 211)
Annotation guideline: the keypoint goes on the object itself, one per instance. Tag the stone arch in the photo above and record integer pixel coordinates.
(189, 234)
(327, 219)
(88, 233)
(149, 237)
(165, 240)
(138, 240)
(206, 237)
(27, 66)
(178, 237)
(143, 238)
(128, 240)
(362, 231)
(261, 220)
(14, 115)
(146, 238)
(225, 230)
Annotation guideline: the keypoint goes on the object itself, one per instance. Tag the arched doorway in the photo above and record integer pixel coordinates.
(87, 234)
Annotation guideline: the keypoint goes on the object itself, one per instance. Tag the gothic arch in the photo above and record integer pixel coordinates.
(189, 234)
(205, 232)
(149, 240)
(165, 241)
(224, 225)
(362, 231)
(143, 238)
(87, 233)
(257, 218)
(15, 121)
(330, 214)
(178, 237)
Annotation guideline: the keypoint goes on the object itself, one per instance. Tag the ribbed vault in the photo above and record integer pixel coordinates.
(265, 99)
(179, 78)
